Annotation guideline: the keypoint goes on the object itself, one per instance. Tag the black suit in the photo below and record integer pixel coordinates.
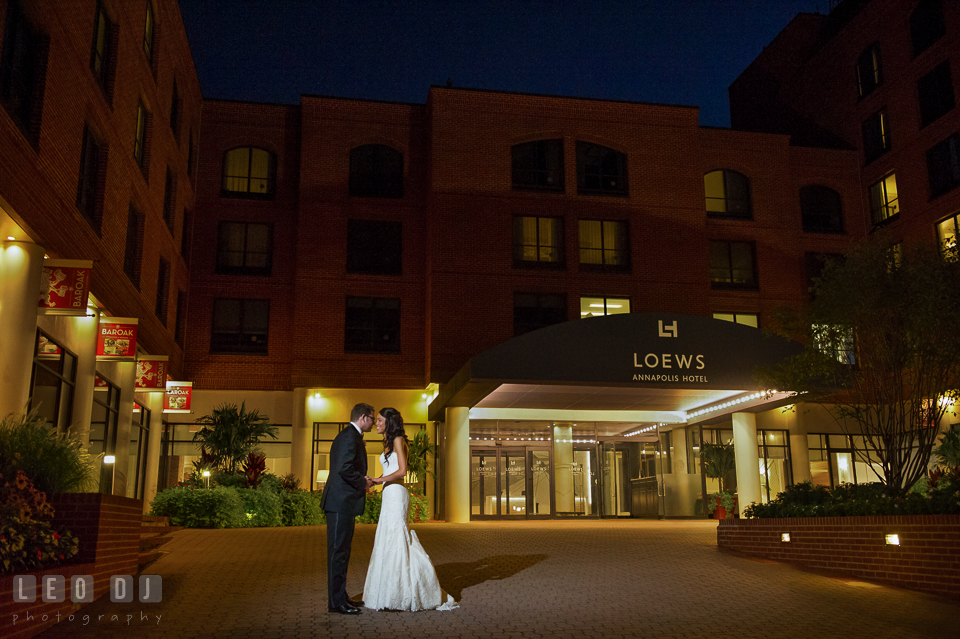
(343, 499)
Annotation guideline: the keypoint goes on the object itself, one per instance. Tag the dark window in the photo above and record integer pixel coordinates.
(186, 227)
(935, 93)
(22, 67)
(876, 136)
(372, 325)
(53, 382)
(884, 201)
(926, 25)
(244, 249)
(249, 172)
(538, 241)
(376, 171)
(140, 141)
(90, 184)
(601, 170)
(148, 30)
(175, 112)
(604, 245)
(101, 55)
(727, 194)
(191, 158)
(869, 70)
(732, 265)
(240, 326)
(537, 165)
(374, 246)
(537, 310)
(163, 290)
(134, 246)
(170, 200)
(814, 264)
(181, 318)
(943, 166)
(820, 209)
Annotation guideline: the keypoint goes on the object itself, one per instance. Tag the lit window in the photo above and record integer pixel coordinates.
(538, 241)
(604, 245)
(727, 194)
(599, 306)
(835, 341)
(883, 200)
(100, 56)
(869, 70)
(248, 172)
(747, 319)
(376, 171)
(732, 265)
(148, 28)
(600, 170)
(538, 165)
(947, 232)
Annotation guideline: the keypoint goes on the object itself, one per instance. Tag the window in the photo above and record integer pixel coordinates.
(244, 249)
(747, 319)
(376, 171)
(773, 449)
(926, 25)
(101, 57)
(604, 245)
(883, 200)
(894, 257)
(538, 165)
(815, 263)
(191, 159)
(248, 172)
(835, 341)
(134, 246)
(175, 112)
(170, 199)
(104, 418)
(732, 265)
(935, 93)
(842, 459)
(53, 382)
(947, 233)
(876, 136)
(140, 142)
(375, 247)
(372, 325)
(533, 310)
(89, 188)
(185, 232)
(869, 70)
(599, 306)
(181, 318)
(240, 326)
(538, 241)
(820, 209)
(22, 68)
(148, 29)
(727, 194)
(163, 290)
(601, 170)
(943, 166)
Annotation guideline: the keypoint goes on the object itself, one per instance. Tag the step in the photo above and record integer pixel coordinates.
(147, 558)
(158, 530)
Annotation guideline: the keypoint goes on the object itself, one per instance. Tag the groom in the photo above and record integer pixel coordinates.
(343, 499)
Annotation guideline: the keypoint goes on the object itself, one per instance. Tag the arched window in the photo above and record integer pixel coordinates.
(820, 209)
(376, 170)
(249, 172)
(728, 194)
(601, 170)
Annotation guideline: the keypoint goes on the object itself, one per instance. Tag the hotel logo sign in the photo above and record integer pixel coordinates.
(669, 367)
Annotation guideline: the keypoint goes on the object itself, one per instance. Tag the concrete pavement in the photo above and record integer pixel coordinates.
(542, 579)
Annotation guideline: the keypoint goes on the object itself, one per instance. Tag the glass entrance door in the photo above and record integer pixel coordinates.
(615, 463)
(510, 482)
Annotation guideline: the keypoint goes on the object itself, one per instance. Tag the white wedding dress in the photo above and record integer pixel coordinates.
(400, 576)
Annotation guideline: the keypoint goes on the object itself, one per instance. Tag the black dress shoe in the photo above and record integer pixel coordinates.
(355, 604)
(346, 609)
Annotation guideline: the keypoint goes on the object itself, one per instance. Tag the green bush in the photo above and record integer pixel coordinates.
(218, 507)
(56, 462)
(261, 507)
(228, 479)
(301, 508)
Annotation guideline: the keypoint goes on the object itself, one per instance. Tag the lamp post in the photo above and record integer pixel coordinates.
(108, 460)
(206, 477)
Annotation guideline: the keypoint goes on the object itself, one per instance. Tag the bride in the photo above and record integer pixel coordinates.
(400, 576)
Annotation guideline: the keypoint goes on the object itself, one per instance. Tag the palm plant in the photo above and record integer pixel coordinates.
(719, 462)
(232, 433)
(417, 462)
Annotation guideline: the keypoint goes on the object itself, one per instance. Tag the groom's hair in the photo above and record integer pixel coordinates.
(359, 411)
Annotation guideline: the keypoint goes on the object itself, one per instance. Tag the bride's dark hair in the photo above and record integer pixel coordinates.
(393, 430)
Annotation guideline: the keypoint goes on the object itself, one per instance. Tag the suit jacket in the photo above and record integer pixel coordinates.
(346, 488)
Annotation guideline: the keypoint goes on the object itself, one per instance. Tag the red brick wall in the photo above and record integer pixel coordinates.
(927, 559)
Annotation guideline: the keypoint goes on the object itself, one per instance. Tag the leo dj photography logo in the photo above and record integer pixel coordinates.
(53, 588)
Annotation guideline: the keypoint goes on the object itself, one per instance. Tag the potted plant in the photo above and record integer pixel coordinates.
(720, 463)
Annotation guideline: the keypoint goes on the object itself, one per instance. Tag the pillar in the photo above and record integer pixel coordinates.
(563, 468)
(748, 459)
(154, 403)
(301, 440)
(85, 343)
(21, 266)
(457, 465)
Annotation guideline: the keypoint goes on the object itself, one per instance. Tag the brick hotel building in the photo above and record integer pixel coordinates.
(564, 292)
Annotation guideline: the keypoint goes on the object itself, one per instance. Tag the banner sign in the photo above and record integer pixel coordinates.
(117, 339)
(177, 398)
(64, 287)
(151, 373)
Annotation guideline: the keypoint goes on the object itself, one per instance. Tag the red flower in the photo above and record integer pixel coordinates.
(56, 536)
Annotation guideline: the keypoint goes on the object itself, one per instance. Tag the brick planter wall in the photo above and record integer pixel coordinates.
(109, 531)
(927, 559)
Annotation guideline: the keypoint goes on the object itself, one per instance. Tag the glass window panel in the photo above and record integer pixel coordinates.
(842, 464)
(838, 441)
(819, 472)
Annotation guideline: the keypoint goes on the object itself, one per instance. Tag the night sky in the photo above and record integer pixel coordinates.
(669, 51)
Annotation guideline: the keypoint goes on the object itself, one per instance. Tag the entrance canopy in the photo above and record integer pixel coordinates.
(633, 367)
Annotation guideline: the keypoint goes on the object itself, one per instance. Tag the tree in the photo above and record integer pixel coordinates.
(417, 463)
(231, 434)
(882, 352)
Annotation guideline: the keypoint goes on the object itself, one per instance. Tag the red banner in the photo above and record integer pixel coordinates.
(177, 398)
(151, 373)
(65, 287)
(117, 339)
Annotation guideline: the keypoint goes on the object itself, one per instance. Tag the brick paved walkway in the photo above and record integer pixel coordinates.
(549, 579)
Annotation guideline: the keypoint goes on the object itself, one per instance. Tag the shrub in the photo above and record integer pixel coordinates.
(56, 462)
(261, 507)
(218, 507)
(371, 508)
(301, 508)
(228, 479)
(419, 507)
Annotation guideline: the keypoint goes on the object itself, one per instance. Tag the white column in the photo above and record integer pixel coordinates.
(748, 459)
(301, 440)
(153, 402)
(85, 329)
(21, 265)
(457, 464)
(563, 468)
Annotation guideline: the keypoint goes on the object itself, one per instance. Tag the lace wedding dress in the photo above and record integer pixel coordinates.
(400, 576)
